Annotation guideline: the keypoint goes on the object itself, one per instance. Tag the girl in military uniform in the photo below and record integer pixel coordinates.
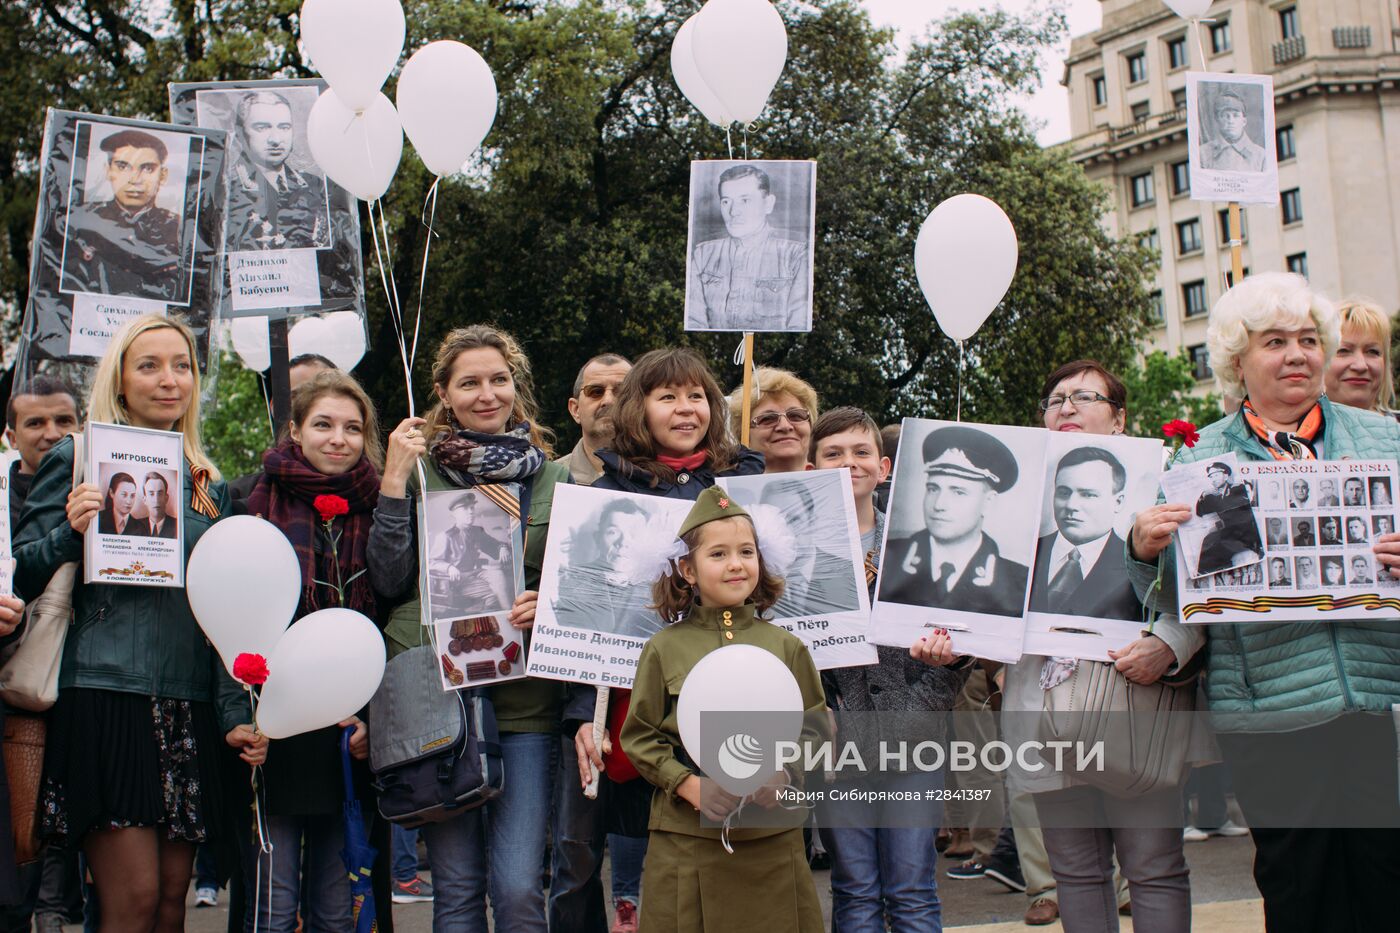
(719, 591)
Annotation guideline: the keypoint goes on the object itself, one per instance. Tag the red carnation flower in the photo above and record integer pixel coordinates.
(250, 669)
(1182, 429)
(330, 506)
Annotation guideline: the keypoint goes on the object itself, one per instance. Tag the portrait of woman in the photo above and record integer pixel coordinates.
(116, 510)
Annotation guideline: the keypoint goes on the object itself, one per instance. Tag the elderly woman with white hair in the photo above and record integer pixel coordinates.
(1285, 698)
(1359, 374)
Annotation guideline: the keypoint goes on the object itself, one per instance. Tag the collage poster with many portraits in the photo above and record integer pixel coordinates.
(1314, 521)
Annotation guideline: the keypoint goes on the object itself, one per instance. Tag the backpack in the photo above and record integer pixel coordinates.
(434, 753)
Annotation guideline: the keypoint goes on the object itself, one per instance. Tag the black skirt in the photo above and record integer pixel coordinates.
(118, 760)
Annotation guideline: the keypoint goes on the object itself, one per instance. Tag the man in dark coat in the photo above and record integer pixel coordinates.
(127, 246)
(953, 563)
(158, 523)
(1236, 532)
(1080, 568)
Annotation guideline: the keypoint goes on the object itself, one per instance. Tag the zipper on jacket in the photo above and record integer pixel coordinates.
(1244, 663)
(1347, 701)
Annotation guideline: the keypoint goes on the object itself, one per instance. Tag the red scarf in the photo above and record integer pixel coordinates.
(687, 463)
(1286, 445)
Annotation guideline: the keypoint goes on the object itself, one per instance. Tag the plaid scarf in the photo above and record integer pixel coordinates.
(470, 458)
(1285, 445)
(284, 495)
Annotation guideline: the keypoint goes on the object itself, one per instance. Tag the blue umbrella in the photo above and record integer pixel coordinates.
(358, 855)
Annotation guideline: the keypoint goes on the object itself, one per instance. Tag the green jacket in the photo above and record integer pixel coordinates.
(651, 735)
(1321, 669)
(532, 704)
(132, 639)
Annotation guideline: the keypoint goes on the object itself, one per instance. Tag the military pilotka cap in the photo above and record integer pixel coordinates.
(137, 139)
(714, 503)
(968, 453)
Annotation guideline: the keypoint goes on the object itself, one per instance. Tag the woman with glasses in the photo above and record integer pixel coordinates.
(780, 421)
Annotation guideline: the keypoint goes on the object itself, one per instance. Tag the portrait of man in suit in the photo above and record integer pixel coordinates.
(952, 563)
(1380, 491)
(1278, 573)
(1361, 569)
(1303, 533)
(1327, 494)
(1302, 493)
(1354, 492)
(1276, 533)
(158, 523)
(1329, 531)
(1307, 572)
(1080, 568)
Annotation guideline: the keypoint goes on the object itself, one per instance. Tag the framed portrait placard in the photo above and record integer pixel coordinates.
(1319, 520)
(293, 236)
(1230, 138)
(129, 222)
(138, 536)
(749, 247)
(600, 562)
(825, 599)
(960, 536)
(1082, 603)
(471, 556)
(7, 568)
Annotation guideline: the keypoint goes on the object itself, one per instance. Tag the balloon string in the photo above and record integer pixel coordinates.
(733, 816)
(746, 142)
(729, 140)
(391, 295)
(962, 351)
(430, 208)
(265, 848)
(1200, 47)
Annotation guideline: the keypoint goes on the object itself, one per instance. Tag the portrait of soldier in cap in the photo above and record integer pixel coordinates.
(1234, 539)
(756, 276)
(952, 563)
(126, 245)
(1231, 149)
(469, 569)
(271, 204)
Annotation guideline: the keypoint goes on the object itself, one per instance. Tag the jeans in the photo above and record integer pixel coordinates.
(288, 873)
(405, 859)
(576, 884)
(889, 872)
(517, 831)
(457, 859)
(628, 853)
(206, 872)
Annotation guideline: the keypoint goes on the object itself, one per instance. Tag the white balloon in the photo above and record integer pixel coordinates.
(740, 49)
(1189, 9)
(687, 75)
(323, 671)
(354, 44)
(358, 151)
(243, 582)
(965, 258)
(249, 336)
(740, 679)
(339, 336)
(447, 102)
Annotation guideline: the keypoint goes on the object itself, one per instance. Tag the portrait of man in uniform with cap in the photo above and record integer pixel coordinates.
(469, 569)
(1079, 567)
(1234, 540)
(953, 563)
(755, 276)
(271, 204)
(128, 245)
(1231, 149)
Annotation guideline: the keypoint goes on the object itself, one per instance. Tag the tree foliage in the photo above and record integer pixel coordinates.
(571, 230)
(1160, 390)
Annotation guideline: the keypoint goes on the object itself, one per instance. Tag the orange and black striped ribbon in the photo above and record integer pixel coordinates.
(200, 500)
(502, 497)
(870, 569)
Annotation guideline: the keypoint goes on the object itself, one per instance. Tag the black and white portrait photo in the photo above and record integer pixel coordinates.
(1276, 533)
(1094, 485)
(470, 546)
(1300, 494)
(127, 207)
(1353, 492)
(1329, 531)
(1304, 534)
(1380, 493)
(1230, 129)
(961, 533)
(749, 254)
(1223, 532)
(593, 591)
(1360, 568)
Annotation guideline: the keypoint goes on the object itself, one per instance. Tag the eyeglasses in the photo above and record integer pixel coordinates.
(770, 419)
(1080, 398)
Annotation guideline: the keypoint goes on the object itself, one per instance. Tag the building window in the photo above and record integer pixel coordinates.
(1229, 277)
(1143, 190)
(1287, 148)
(1220, 37)
(1137, 67)
(1179, 101)
(1298, 263)
(1193, 298)
(1200, 362)
(1176, 52)
(1288, 23)
(1159, 308)
(1150, 240)
(1188, 237)
(1098, 86)
(1140, 111)
(1224, 217)
(1181, 177)
(1292, 206)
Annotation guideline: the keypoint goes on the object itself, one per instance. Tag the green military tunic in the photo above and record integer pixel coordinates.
(692, 884)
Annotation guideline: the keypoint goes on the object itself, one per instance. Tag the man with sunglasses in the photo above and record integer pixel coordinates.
(595, 389)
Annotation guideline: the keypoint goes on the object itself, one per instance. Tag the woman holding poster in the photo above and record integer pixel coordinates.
(1289, 700)
(328, 464)
(483, 433)
(131, 764)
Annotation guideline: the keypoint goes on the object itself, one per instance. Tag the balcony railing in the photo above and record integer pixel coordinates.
(1352, 37)
(1289, 50)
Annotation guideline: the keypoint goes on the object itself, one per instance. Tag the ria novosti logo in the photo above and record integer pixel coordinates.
(740, 756)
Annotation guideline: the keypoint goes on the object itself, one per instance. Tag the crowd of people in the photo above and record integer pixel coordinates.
(150, 742)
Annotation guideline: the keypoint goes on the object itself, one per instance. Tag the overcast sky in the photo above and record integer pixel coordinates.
(1050, 105)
